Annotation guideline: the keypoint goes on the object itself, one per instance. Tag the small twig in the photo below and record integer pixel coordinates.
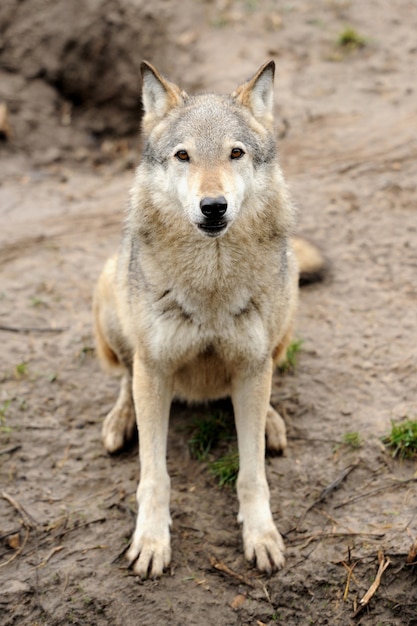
(66, 581)
(221, 567)
(412, 554)
(60, 464)
(320, 535)
(266, 592)
(99, 546)
(383, 564)
(11, 450)
(334, 485)
(311, 439)
(329, 489)
(350, 575)
(99, 520)
(29, 329)
(28, 520)
(374, 492)
(120, 555)
(51, 554)
(10, 533)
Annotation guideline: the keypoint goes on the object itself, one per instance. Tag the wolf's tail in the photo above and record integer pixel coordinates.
(312, 264)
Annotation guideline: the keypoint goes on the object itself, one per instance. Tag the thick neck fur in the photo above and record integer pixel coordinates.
(173, 250)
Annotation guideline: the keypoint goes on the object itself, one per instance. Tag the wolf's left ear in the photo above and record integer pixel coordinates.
(258, 94)
(159, 95)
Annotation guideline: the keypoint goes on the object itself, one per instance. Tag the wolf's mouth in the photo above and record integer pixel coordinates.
(212, 228)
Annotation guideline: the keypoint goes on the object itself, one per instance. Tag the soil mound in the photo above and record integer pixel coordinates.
(67, 67)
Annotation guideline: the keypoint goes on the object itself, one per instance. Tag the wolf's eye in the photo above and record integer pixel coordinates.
(182, 155)
(236, 153)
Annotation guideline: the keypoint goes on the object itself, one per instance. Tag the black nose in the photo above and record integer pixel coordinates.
(213, 208)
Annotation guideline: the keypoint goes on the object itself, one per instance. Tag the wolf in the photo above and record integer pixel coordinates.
(199, 304)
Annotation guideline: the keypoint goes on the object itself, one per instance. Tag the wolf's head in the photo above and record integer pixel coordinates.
(207, 155)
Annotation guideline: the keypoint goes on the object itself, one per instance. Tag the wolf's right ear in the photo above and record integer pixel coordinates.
(159, 95)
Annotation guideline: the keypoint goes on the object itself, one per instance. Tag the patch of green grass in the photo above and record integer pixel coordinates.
(291, 358)
(352, 439)
(4, 428)
(402, 440)
(219, 21)
(226, 468)
(316, 22)
(22, 404)
(350, 39)
(37, 302)
(252, 5)
(3, 409)
(85, 352)
(349, 440)
(207, 432)
(20, 370)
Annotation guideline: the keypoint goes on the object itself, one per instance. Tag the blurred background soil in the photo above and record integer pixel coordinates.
(346, 119)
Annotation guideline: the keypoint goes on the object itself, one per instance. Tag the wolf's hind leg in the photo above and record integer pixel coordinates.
(276, 438)
(119, 426)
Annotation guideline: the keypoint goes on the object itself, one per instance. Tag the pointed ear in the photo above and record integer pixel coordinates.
(257, 94)
(159, 95)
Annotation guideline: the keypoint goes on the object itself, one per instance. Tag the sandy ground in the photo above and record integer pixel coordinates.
(346, 126)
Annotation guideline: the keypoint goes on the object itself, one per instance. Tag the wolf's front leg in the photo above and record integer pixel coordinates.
(261, 538)
(150, 551)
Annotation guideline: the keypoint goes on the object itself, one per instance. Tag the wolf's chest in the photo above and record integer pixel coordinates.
(228, 325)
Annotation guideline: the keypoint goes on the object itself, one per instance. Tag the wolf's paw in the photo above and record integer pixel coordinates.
(276, 438)
(119, 428)
(149, 555)
(265, 547)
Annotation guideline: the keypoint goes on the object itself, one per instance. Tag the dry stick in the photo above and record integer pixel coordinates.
(226, 570)
(311, 439)
(412, 554)
(265, 590)
(395, 483)
(119, 555)
(374, 492)
(29, 523)
(50, 555)
(28, 520)
(11, 450)
(350, 575)
(320, 535)
(329, 489)
(66, 582)
(10, 533)
(22, 329)
(61, 534)
(98, 520)
(383, 564)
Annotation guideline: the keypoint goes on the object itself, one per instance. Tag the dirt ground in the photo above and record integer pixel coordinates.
(346, 126)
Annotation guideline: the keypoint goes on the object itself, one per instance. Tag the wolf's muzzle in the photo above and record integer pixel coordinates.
(213, 210)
